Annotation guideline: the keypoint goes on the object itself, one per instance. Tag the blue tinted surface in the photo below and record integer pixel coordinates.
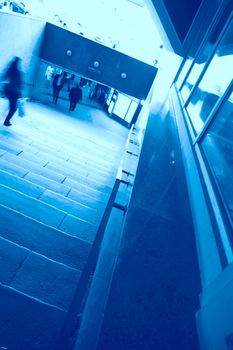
(218, 149)
(213, 84)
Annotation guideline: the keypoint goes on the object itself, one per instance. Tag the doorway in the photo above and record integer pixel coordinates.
(117, 105)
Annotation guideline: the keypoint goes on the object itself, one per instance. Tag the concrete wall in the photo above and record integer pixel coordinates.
(20, 36)
(154, 292)
(215, 318)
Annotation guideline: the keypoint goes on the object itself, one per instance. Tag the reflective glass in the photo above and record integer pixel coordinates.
(214, 82)
(205, 53)
(122, 105)
(217, 146)
(184, 71)
(132, 109)
(191, 80)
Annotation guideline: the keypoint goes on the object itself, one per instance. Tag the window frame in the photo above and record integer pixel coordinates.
(215, 200)
(212, 28)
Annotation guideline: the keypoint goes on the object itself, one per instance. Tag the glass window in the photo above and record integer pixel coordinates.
(132, 109)
(184, 71)
(122, 105)
(217, 145)
(197, 68)
(214, 82)
(204, 54)
(192, 78)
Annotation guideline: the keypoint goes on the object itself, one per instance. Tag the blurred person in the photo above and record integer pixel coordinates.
(13, 87)
(75, 96)
(59, 81)
(49, 75)
(69, 81)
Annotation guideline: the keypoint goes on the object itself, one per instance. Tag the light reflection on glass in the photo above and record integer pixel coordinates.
(125, 107)
(217, 146)
(132, 109)
(214, 83)
(184, 71)
(197, 69)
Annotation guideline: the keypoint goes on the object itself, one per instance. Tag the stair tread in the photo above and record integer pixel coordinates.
(12, 168)
(74, 172)
(21, 184)
(40, 180)
(45, 240)
(72, 207)
(46, 280)
(25, 321)
(56, 138)
(42, 170)
(36, 275)
(52, 198)
(59, 163)
(34, 149)
(55, 142)
(44, 212)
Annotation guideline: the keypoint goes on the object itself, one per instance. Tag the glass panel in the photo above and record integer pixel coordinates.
(131, 111)
(199, 64)
(184, 71)
(122, 105)
(191, 80)
(218, 148)
(214, 83)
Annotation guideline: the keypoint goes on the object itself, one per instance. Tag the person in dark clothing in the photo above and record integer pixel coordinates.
(59, 81)
(13, 87)
(75, 96)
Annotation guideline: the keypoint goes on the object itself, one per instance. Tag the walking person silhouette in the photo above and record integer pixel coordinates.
(13, 87)
(59, 81)
(75, 96)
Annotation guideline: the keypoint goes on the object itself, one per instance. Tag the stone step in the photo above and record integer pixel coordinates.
(95, 200)
(84, 173)
(46, 130)
(27, 323)
(47, 214)
(71, 143)
(83, 194)
(75, 172)
(8, 147)
(43, 239)
(35, 275)
(86, 194)
(63, 203)
(72, 207)
(12, 168)
(20, 184)
(16, 146)
(80, 158)
(40, 169)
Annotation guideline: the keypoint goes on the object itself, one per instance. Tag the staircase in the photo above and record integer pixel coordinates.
(56, 175)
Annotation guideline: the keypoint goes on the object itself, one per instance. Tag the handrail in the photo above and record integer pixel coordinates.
(76, 305)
